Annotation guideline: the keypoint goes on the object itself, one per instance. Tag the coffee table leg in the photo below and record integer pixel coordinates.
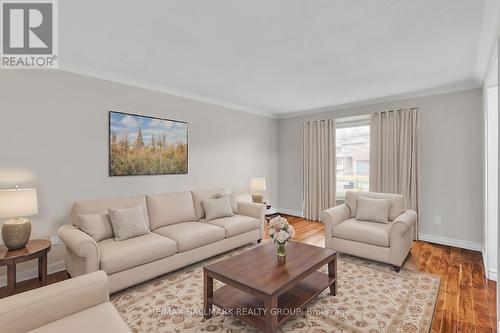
(208, 292)
(332, 272)
(271, 305)
(11, 279)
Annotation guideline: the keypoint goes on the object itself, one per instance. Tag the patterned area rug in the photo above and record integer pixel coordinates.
(371, 298)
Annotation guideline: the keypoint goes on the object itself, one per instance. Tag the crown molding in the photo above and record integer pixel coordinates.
(378, 100)
(106, 76)
(93, 73)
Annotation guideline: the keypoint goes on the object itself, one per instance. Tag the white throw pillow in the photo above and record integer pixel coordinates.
(232, 200)
(217, 208)
(373, 210)
(96, 226)
(128, 222)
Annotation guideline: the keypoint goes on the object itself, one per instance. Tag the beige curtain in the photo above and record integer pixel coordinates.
(394, 154)
(318, 158)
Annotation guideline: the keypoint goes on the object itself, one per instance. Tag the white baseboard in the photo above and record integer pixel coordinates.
(491, 274)
(33, 273)
(290, 212)
(451, 242)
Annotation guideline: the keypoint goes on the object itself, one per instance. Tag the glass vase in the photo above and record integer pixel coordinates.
(281, 249)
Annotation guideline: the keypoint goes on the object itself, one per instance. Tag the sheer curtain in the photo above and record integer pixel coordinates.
(394, 155)
(318, 165)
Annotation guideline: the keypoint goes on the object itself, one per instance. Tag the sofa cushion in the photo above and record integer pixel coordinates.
(372, 210)
(103, 205)
(96, 226)
(128, 222)
(170, 208)
(117, 256)
(237, 224)
(364, 232)
(217, 208)
(190, 235)
(232, 200)
(396, 202)
(199, 196)
(100, 318)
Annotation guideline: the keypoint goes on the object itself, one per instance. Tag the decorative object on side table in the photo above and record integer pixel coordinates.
(280, 231)
(15, 205)
(34, 249)
(257, 186)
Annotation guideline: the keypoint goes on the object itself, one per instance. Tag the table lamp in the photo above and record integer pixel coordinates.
(257, 186)
(15, 205)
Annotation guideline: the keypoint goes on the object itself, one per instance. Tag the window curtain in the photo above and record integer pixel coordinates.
(319, 169)
(394, 155)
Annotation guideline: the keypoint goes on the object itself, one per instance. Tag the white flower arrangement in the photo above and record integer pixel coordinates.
(280, 231)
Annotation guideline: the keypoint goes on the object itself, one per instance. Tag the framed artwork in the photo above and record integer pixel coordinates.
(141, 145)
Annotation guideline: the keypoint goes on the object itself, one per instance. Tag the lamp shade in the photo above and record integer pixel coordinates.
(257, 184)
(18, 203)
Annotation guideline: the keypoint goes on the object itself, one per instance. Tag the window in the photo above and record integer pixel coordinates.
(353, 156)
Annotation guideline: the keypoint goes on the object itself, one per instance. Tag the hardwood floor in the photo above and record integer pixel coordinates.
(466, 300)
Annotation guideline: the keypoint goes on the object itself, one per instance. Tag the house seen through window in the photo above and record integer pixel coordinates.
(353, 157)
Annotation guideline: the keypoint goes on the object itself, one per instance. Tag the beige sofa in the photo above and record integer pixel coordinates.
(389, 243)
(180, 236)
(54, 308)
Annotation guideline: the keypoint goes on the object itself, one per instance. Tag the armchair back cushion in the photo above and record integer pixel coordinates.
(396, 202)
(170, 208)
(103, 205)
(372, 210)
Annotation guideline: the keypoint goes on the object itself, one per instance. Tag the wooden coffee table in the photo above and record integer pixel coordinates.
(263, 290)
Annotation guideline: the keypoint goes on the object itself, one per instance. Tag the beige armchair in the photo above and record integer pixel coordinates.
(76, 305)
(386, 242)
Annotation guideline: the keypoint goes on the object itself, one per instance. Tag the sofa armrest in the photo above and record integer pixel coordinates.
(38, 307)
(82, 245)
(255, 210)
(403, 223)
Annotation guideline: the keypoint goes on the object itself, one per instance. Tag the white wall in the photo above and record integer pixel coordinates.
(451, 163)
(491, 182)
(53, 136)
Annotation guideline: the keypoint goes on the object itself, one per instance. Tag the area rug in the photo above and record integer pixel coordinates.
(371, 298)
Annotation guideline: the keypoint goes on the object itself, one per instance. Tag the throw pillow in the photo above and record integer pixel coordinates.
(96, 226)
(128, 222)
(232, 200)
(373, 210)
(217, 208)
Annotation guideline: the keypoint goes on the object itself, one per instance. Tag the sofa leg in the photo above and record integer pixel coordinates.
(259, 240)
(396, 268)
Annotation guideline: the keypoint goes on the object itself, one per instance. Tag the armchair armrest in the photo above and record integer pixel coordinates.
(333, 216)
(254, 210)
(82, 245)
(403, 223)
(32, 309)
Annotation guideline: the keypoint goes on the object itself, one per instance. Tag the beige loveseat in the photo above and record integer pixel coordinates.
(76, 305)
(389, 243)
(180, 236)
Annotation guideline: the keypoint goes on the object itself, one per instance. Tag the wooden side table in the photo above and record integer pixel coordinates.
(34, 249)
(269, 216)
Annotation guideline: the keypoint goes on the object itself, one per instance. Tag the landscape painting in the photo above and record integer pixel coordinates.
(141, 145)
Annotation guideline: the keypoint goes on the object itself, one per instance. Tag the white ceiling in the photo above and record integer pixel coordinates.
(277, 57)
